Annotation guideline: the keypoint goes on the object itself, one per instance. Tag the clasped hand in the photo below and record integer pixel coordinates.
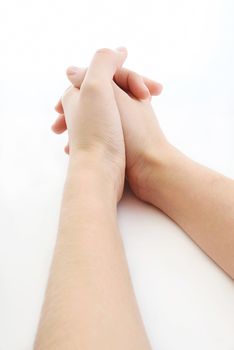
(110, 120)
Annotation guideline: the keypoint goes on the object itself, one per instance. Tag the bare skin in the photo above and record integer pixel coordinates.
(90, 303)
(198, 199)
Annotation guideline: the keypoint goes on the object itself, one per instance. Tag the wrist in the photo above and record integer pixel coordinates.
(93, 172)
(148, 176)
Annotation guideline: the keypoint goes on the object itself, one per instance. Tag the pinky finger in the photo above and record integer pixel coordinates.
(155, 88)
(66, 149)
(59, 107)
(59, 125)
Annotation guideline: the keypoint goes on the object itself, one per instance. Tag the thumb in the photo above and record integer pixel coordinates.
(105, 63)
(76, 75)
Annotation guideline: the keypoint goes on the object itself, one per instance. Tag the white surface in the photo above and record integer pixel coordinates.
(187, 302)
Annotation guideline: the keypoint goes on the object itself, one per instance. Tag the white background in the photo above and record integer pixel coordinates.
(187, 302)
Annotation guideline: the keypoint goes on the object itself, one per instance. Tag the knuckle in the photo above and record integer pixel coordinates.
(68, 94)
(91, 87)
(69, 91)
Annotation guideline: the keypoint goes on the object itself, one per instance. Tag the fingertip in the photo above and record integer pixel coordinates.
(59, 125)
(66, 149)
(160, 88)
(155, 88)
(122, 49)
(53, 128)
(72, 70)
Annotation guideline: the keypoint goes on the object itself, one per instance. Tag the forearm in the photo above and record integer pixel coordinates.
(90, 302)
(200, 200)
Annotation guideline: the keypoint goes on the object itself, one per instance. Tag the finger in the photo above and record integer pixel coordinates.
(76, 75)
(59, 107)
(66, 149)
(132, 82)
(59, 125)
(154, 87)
(141, 87)
(104, 64)
(129, 81)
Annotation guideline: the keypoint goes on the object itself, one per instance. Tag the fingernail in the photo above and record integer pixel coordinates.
(121, 49)
(160, 85)
(72, 70)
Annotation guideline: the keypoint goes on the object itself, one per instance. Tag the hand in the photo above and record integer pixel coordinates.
(129, 81)
(93, 120)
(144, 139)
